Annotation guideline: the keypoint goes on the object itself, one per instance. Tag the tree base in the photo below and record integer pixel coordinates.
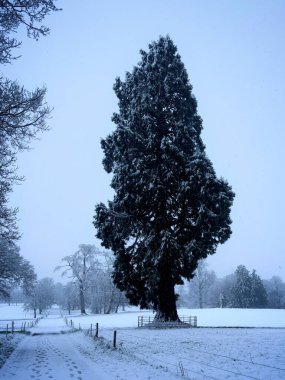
(167, 325)
(161, 317)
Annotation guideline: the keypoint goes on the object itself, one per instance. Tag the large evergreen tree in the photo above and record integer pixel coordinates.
(241, 290)
(169, 208)
(248, 290)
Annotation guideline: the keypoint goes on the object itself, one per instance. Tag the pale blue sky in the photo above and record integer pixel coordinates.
(234, 52)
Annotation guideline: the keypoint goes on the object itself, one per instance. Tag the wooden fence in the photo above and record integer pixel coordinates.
(17, 325)
(185, 321)
(91, 330)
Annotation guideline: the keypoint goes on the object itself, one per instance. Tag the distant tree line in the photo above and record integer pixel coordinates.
(90, 287)
(241, 289)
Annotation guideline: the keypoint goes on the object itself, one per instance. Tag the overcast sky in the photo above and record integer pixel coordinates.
(234, 52)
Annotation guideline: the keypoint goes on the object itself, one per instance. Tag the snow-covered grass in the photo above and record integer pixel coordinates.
(201, 353)
(252, 348)
(7, 346)
(15, 313)
(206, 318)
(194, 353)
(238, 317)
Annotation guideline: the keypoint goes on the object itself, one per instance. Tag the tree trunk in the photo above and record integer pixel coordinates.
(166, 308)
(111, 301)
(82, 299)
(118, 304)
(200, 298)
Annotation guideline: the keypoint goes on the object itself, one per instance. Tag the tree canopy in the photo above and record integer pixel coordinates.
(248, 290)
(23, 113)
(14, 269)
(13, 14)
(169, 209)
(81, 266)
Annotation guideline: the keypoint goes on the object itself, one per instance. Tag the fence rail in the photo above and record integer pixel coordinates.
(9, 326)
(149, 321)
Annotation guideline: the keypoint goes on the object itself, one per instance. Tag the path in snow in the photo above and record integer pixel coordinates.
(48, 353)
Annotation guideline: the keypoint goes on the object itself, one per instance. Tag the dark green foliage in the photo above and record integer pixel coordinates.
(248, 290)
(169, 208)
(241, 290)
(258, 295)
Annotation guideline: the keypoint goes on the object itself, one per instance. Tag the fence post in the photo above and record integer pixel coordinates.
(12, 327)
(97, 328)
(91, 329)
(115, 339)
(7, 328)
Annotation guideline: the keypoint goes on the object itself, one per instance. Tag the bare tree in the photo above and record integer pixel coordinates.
(80, 266)
(23, 113)
(30, 14)
(22, 116)
(14, 269)
(71, 301)
(202, 283)
(276, 292)
(43, 296)
(105, 296)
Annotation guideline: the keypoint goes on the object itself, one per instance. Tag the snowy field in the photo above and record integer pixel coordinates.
(272, 318)
(17, 314)
(195, 353)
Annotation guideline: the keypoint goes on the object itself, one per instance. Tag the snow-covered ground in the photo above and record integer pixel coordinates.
(14, 311)
(206, 318)
(194, 353)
